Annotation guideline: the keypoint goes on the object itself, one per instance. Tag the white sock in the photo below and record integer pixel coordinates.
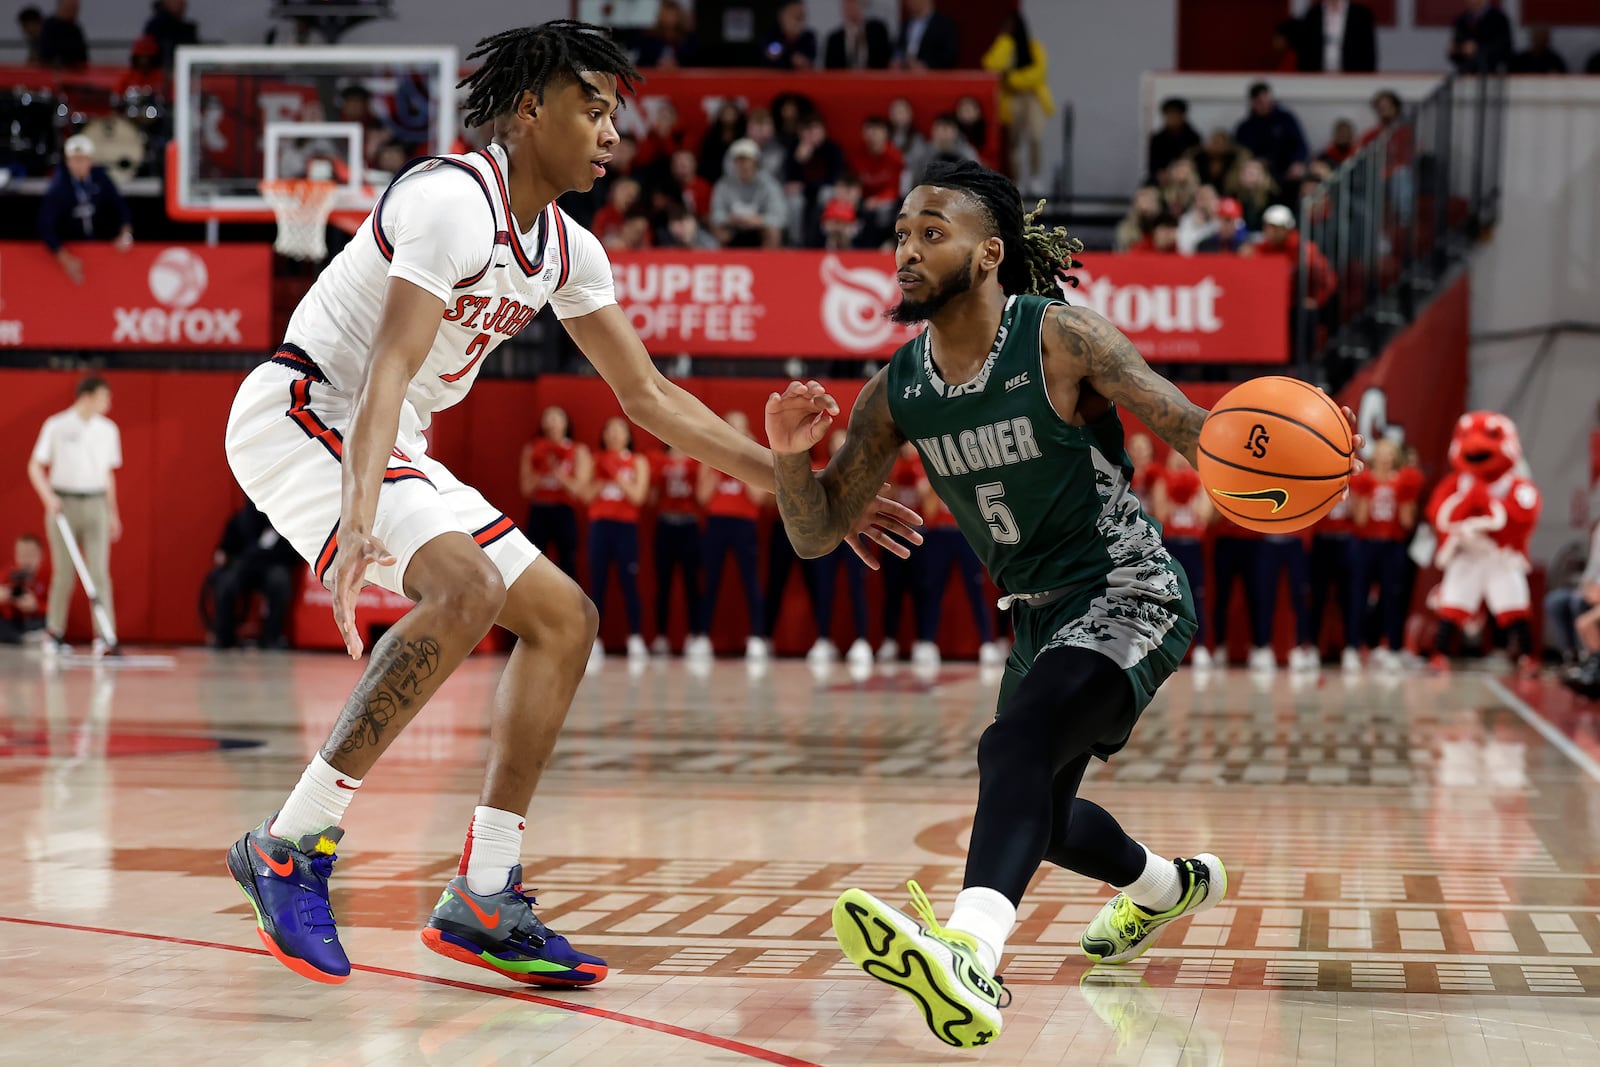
(319, 801)
(1160, 886)
(988, 916)
(494, 846)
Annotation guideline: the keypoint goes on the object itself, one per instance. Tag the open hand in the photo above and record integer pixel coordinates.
(356, 552)
(799, 417)
(889, 523)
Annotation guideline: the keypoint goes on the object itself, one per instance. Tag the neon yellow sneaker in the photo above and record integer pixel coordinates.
(1123, 931)
(935, 967)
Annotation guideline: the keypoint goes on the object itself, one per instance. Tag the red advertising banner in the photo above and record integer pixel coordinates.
(149, 296)
(1208, 309)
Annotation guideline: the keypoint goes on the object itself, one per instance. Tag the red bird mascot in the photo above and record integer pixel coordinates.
(1484, 513)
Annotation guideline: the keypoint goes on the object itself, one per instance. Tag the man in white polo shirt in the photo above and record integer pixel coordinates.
(72, 471)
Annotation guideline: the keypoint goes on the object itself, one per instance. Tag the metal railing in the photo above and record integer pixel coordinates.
(1393, 220)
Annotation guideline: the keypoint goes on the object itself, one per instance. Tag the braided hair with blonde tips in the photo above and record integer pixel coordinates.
(1038, 258)
(534, 58)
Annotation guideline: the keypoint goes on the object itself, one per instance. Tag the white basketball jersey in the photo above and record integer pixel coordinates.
(446, 225)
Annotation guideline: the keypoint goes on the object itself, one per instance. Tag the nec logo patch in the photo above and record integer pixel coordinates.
(1018, 382)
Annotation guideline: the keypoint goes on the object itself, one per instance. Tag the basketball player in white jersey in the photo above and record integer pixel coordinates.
(327, 439)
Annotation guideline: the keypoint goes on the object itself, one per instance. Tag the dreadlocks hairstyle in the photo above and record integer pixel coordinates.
(1037, 258)
(529, 59)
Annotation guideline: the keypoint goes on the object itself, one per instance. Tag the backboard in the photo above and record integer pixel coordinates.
(227, 98)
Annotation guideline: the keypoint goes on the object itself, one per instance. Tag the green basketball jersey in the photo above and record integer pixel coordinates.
(1045, 504)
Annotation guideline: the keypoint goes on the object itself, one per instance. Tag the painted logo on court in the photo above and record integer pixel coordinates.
(853, 302)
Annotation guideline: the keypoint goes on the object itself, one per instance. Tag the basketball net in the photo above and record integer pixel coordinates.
(302, 206)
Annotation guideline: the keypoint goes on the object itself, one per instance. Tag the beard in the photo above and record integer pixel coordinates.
(949, 287)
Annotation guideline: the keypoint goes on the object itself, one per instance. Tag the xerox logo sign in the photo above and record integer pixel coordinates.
(178, 280)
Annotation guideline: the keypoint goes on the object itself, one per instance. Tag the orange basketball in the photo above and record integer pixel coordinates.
(1275, 454)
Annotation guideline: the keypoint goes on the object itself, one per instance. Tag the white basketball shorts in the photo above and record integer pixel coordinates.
(284, 442)
(1498, 579)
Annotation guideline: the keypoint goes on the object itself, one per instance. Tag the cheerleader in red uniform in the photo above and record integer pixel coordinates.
(731, 509)
(674, 481)
(553, 469)
(618, 487)
(1383, 506)
(1184, 511)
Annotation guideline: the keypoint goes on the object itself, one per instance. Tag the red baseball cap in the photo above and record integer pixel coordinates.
(1229, 208)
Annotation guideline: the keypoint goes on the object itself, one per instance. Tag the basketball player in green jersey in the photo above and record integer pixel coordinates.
(1011, 396)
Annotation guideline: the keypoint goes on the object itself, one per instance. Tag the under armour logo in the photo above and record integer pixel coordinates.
(1256, 444)
(913, 390)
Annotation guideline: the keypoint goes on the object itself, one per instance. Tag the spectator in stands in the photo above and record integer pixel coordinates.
(974, 127)
(170, 29)
(903, 576)
(731, 508)
(1272, 134)
(355, 105)
(1286, 45)
(1143, 211)
(945, 549)
(774, 150)
(748, 207)
(1332, 550)
(928, 39)
(815, 163)
(824, 571)
(1257, 192)
(584, 206)
(1200, 221)
(674, 486)
(82, 203)
(685, 187)
(1184, 511)
(945, 143)
(1338, 36)
(1480, 38)
(1383, 509)
(903, 132)
(1279, 237)
(664, 137)
(1025, 99)
(387, 161)
(794, 46)
(1230, 234)
(671, 42)
(23, 595)
(1163, 236)
(841, 216)
(726, 128)
(1540, 58)
(1343, 145)
(251, 558)
(61, 42)
(684, 231)
(1179, 186)
(74, 468)
(145, 73)
(879, 165)
(553, 475)
(30, 23)
(1219, 162)
(789, 111)
(1175, 139)
(623, 204)
(860, 42)
(617, 487)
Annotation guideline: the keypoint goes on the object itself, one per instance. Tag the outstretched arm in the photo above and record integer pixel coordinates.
(819, 509)
(1096, 352)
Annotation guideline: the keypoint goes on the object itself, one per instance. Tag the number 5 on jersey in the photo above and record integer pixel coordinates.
(1002, 524)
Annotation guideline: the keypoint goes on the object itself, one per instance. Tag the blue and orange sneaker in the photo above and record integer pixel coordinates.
(500, 932)
(286, 883)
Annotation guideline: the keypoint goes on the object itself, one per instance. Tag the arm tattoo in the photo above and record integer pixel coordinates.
(1108, 361)
(391, 688)
(819, 509)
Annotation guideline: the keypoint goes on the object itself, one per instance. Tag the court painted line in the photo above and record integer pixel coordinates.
(728, 1044)
(1545, 728)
